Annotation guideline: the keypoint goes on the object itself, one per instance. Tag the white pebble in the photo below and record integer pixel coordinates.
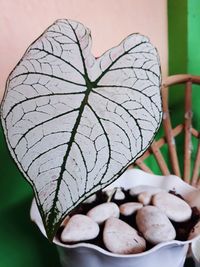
(154, 225)
(90, 199)
(134, 191)
(193, 199)
(104, 211)
(121, 238)
(65, 221)
(145, 198)
(119, 194)
(79, 228)
(175, 208)
(129, 208)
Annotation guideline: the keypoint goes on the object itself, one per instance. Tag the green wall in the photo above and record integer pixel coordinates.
(194, 53)
(184, 36)
(193, 37)
(184, 57)
(177, 42)
(177, 32)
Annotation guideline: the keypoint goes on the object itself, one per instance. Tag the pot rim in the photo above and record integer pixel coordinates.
(105, 252)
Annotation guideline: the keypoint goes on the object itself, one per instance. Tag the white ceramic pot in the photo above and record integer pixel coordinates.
(195, 249)
(166, 254)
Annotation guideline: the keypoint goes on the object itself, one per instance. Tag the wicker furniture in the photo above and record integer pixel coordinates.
(184, 129)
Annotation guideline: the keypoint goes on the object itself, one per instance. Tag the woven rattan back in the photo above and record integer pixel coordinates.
(171, 164)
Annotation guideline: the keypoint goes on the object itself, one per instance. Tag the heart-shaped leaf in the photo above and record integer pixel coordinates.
(74, 123)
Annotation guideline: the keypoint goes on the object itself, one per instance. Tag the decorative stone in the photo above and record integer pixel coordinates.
(129, 208)
(119, 194)
(193, 199)
(195, 231)
(90, 199)
(79, 228)
(121, 238)
(175, 208)
(145, 198)
(154, 225)
(104, 211)
(135, 191)
(65, 221)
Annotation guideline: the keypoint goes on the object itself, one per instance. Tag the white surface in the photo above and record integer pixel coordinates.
(195, 247)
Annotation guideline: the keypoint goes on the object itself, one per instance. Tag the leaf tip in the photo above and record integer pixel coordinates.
(51, 230)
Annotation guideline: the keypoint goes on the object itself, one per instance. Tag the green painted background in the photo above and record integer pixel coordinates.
(184, 57)
(193, 37)
(21, 244)
(194, 53)
(184, 34)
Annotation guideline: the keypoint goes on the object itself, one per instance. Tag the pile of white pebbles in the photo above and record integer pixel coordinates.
(128, 222)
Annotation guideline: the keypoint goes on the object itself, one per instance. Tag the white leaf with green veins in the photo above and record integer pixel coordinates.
(74, 123)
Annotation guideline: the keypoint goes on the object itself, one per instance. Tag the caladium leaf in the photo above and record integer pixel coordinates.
(74, 123)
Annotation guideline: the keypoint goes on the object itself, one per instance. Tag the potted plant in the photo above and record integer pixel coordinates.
(173, 251)
(74, 123)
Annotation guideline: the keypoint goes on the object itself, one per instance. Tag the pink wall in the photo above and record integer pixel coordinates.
(22, 21)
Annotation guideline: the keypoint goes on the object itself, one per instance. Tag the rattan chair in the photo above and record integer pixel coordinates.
(171, 161)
